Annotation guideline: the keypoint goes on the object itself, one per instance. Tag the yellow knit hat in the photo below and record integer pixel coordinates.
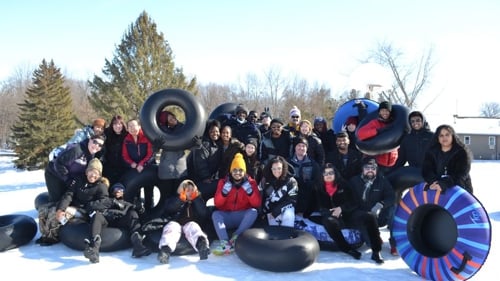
(238, 163)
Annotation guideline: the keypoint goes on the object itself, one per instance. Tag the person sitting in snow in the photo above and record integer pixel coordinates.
(185, 213)
(118, 213)
(236, 200)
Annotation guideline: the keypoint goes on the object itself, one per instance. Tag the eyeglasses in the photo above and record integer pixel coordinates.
(96, 142)
(237, 171)
(275, 127)
(295, 117)
(415, 121)
(277, 169)
(328, 174)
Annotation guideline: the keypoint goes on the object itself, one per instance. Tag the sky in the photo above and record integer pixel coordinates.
(222, 41)
(18, 189)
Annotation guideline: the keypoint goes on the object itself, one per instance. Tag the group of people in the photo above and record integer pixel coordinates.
(259, 170)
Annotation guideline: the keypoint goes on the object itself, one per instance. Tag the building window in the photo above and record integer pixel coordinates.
(467, 140)
(491, 140)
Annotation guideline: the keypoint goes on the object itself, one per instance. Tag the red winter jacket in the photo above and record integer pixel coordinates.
(237, 199)
(369, 131)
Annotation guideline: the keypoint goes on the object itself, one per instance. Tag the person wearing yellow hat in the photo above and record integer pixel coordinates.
(236, 201)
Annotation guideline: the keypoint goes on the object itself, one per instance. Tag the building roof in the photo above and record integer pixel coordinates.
(476, 125)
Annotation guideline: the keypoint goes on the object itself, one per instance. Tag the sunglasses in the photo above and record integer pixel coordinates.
(295, 117)
(96, 142)
(328, 174)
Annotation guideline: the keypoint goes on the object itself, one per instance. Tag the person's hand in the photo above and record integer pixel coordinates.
(140, 168)
(133, 165)
(435, 186)
(376, 208)
(196, 141)
(60, 214)
(192, 195)
(227, 187)
(344, 128)
(247, 187)
(183, 196)
(158, 143)
(336, 212)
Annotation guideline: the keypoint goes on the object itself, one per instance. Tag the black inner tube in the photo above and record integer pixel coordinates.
(432, 231)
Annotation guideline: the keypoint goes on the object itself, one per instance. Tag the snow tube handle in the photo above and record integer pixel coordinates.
(467, 257)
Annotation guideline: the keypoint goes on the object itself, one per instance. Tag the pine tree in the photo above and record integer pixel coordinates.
(45, 119)
(142, 64)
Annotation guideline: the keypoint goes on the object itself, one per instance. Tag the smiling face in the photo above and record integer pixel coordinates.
(384, 113)
(445, 139)
(277, 169)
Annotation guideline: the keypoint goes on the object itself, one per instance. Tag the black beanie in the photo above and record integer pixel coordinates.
(298, 140)
(385, 104)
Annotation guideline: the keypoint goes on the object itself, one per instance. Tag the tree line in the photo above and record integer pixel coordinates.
(41, 110)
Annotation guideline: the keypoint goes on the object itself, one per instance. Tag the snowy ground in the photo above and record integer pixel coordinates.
(19, 189)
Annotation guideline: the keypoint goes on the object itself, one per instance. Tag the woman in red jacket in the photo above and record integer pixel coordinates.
(237, 200)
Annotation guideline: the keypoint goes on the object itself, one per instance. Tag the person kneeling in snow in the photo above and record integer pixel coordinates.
(185, 213)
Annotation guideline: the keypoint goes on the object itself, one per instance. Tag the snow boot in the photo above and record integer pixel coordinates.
(202, 247)
(138, 248)
(91, 251)
(164, 255)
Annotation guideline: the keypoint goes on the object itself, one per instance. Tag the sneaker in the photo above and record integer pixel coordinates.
(138, 248)
(232, 241)
(222, 248)
(164, 255)
(394, 250)
(202, 247)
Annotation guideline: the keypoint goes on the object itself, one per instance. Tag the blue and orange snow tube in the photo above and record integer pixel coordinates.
(442, 236)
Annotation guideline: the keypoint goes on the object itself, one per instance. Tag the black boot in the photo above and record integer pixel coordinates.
(138, 249)
(164, 254)
(377, 257)
(92, 247)
(202, 247)
(354, 253)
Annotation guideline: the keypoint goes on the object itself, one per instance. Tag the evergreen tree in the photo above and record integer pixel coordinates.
(45, 119)
(142, 64)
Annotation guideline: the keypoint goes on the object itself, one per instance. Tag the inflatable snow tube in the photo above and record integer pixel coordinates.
(41, 199)
(134, 182)
(277, 248)
(387, 140)
(223, 111)
(16, 230)
(113, 239)
(193, 126)
(182, 248)
(326, 243)
(442, 236)
(348, 109)
(405, 177)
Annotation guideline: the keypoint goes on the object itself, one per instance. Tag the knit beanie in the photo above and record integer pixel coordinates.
(99, 122)
(238, 163)
(277, 120)
(352, 120)
(385, 104)
(294, 111)
(369, 161)
(117, 186)
(298, 140)
(252, 141)
(319, 119)
(94, 164)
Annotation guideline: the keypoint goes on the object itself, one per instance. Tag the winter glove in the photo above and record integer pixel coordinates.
(247, 187)
(196, 141)
(226, 188)
(158, 143)
(70, 182)
(359, 103)
(183, 196)
(377, 208)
